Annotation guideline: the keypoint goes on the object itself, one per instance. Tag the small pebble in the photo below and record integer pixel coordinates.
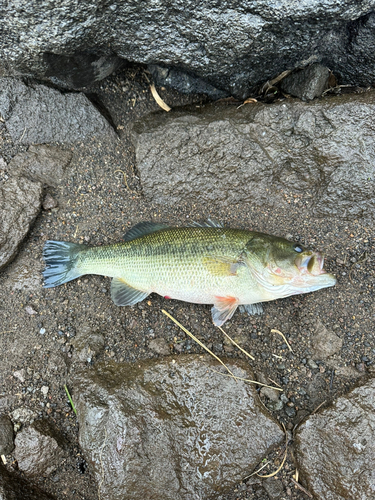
(311, 363)
(49, 202)
(30, 310)
(44, 390)
(20, 374)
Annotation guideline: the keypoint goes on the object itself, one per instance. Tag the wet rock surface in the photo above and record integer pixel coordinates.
(261, 154)
(40, 114)
(39, 449)
(174, 429)
(233, 46)
(6, 435)
(42, 163)
(14, 488)
(20, 202)
(335, 448)
(307, 83)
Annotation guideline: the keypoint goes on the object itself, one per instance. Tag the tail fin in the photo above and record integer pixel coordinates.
(60, 258)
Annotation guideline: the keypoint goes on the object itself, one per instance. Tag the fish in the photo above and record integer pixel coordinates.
(202, 263)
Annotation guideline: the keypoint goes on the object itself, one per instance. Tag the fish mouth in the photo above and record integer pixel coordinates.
(311, 271)
(311, 263)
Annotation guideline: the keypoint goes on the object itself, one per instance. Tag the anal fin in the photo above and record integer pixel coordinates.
(223, 309)
(251, 309)
(124, 295)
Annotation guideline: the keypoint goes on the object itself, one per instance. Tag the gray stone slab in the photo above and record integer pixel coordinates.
(260, 154)
(42, 163)
(171, 430)
(39, 114)
(233, 45)
(20, 202)
(335, 448)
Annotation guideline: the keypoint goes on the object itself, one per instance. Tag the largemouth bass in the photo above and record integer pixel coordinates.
(203, 263)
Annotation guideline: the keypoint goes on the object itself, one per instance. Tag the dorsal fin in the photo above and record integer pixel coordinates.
(206, 223)
(143, 228)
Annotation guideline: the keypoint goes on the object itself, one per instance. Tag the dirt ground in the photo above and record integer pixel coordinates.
(99, 200)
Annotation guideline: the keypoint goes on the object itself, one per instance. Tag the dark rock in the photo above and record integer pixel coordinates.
(273, 487)
(39, 449)
(259, 154)
(87, 343)
(40, 114)
(6, 435)
(233, 45)
(183, 82)
(170, 429)
(270, 393)
(335, 448)
(325, 343)
(42, 163)
(20, 202)
(13, 487)
(160, 346)
(79, 69)
(307, 83)
(49, 202)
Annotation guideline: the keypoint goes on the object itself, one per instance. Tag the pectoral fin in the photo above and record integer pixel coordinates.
(124, 295)
(223, 309)
(222, 266)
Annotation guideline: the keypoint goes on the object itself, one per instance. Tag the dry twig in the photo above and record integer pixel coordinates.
(196, 340)
(283, 461)
(233, 342)
(248, 380)
(301, 488)
(125, 181)
(158, 99)
(283, 336)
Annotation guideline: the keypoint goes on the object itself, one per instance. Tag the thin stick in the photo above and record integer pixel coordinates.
(233, 342)
(317, 408)
(256, 472)
(301, 488)
(248, 380)
(196, 340)
(158, 99)
(125, 181)
(276, 356)
(278, 385)
(282, 463)
(70, 399)
(101, 463)
(4, 459)
(283, 336)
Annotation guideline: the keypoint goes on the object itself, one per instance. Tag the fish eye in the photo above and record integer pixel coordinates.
(298, 248)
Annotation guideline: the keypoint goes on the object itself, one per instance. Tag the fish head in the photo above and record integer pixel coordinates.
(286, 268)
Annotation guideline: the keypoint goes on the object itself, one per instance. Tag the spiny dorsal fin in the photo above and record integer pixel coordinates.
(143, 228)
(206, 223)
(124, 295)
